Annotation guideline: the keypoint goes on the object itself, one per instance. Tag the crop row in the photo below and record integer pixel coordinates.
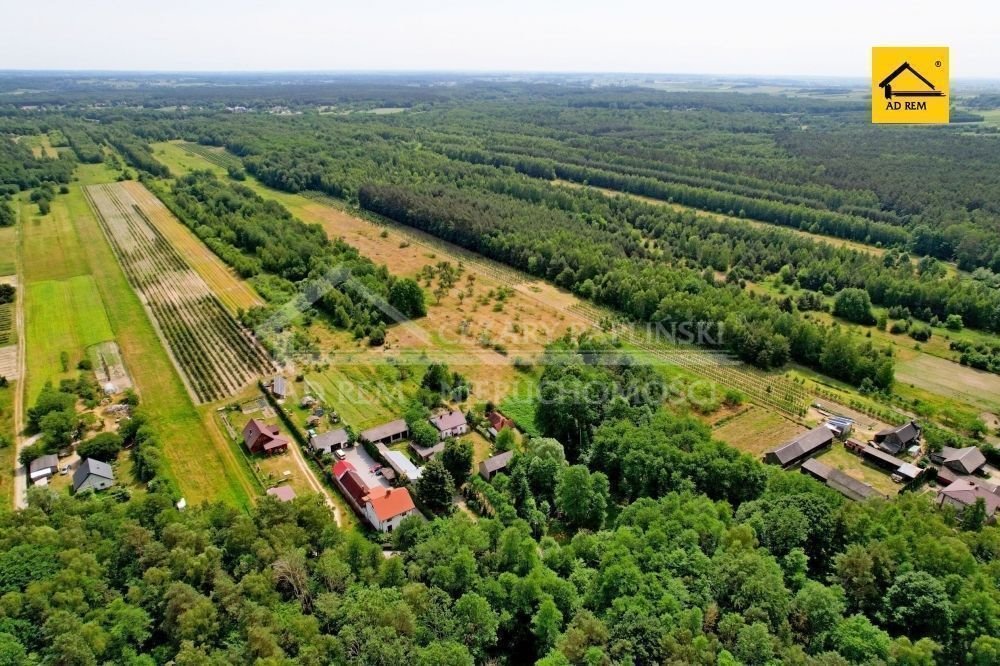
(6, 323)
(220, 158)
(214, 353)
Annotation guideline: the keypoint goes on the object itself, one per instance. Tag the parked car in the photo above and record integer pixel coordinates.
(375, 468)
(340, 454)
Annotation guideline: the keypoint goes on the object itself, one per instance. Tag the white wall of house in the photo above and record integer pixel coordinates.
(388, 525)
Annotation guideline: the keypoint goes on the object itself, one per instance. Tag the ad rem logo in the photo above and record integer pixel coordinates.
(915, 90)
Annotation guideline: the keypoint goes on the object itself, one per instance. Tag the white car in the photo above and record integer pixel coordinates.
(340, 454)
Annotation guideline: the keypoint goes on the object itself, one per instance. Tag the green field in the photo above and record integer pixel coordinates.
(7, 452)
(61, 316)
(8, 246)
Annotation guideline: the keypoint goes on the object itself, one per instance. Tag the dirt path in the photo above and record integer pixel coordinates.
(310, 476)
(20, 473)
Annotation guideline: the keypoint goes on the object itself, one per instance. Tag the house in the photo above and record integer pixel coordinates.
(43, 467)
(846, 485)
(259, 437)
(802, 447)
(92, 475)
(497, 423)
(282, 493)
(425, 453)
(450, 424)
(386, 508)
(279, 387)
(963, 493)
(493, 466)
(967, 460)
(386, 433)
(328, 441)
(900, 438)
(402, 465)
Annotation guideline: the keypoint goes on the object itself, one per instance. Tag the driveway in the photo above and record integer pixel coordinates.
(357, 456)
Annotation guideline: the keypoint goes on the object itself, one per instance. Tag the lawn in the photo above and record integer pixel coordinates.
(198, 457)
(840, 458)
(52, 249)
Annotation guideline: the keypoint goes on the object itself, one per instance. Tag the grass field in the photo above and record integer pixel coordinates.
(105, 307)
(8, 248)
(757, 430)
(61, 317)
(7, 452)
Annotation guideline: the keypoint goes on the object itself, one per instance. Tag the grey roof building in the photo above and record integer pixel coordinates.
(894, 440)
(43, 467)
(966, 460)
(491, 466)
(845, 484)
(800, 448)
(387, 432)
(92, 475)
(326, 442)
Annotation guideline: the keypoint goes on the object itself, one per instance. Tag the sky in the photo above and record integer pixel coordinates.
(751, 37)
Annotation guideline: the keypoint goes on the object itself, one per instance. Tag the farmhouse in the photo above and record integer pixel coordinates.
(282, 493)
(894, 440)
(328, 441)
(92, 475)
(844, 484)
(497, 423)
(402, 465)
(387, 433)
(450, 424)
(386, 508)
(968, 460)
(260, 437)
(279, 387)
(964, 493)
(43, 467)
(493, 466)
(425, 453)
(802, 447)
(354, 487)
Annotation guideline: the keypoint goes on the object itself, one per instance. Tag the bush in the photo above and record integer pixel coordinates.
(103, 447)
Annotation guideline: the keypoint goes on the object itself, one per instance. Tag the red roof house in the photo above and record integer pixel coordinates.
(341, 468)
(387, 507)
(261, 437)
(354, 486)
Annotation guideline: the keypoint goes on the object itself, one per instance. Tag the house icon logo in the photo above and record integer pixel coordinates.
(910, 84)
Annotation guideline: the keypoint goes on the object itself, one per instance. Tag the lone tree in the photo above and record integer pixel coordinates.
(103, 447)
(7, 292)
(854, 305)
(436, 488)
(406, 296)
(457, 459)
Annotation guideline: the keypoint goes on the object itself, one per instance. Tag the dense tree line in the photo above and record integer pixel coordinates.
(21, 170)
(259, 237)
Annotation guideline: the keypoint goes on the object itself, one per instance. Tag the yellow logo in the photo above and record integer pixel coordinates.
(910, 84)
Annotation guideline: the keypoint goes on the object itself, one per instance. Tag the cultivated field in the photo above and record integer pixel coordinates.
(214, 354)
(234, 293)
(951, 380)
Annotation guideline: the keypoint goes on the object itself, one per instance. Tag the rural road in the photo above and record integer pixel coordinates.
(20, 473)
(315, 483)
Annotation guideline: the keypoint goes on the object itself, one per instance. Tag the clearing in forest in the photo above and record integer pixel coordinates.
(215, 355)
(756, 431)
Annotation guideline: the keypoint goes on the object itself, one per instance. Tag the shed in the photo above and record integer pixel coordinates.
(282, 493)
(804, 446)
(493, 466)
(43, 467)
(326, 442)
(899, 438)
(967, 460)
(387, 432)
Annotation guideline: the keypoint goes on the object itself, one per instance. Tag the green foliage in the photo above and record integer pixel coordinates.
(582, 497)
(436, 487)
(408, 298)
(104, 446)
(457, 459)
(854, 305)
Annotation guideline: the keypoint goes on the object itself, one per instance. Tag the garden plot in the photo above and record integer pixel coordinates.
(215, 355)
(109, 368)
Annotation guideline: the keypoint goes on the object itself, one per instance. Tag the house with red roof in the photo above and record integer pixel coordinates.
(497, 423)
(386, 508)
(259, 437)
